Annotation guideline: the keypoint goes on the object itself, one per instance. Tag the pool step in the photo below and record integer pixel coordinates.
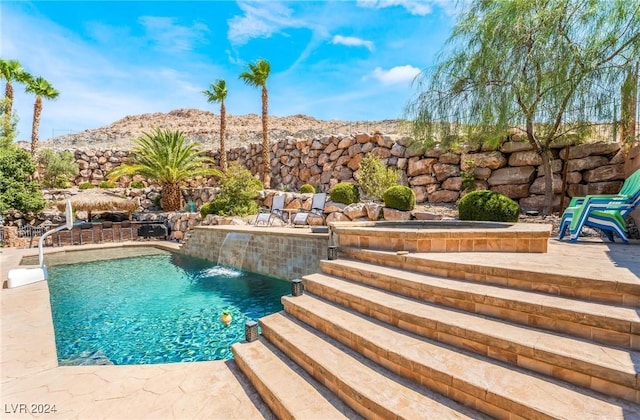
(606, 369)
(287, 389)
(489, 386)
(365, 387)
(606, 324)
(575, 285)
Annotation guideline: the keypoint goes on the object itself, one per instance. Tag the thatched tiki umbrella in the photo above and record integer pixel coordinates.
(94, 200)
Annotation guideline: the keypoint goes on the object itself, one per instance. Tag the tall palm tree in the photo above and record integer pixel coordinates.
(218, 93)
(164, 156)
(11, 70)
(257, 77)
(42, 89)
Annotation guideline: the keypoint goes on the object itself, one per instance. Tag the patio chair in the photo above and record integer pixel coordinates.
(86, 227)
(126, 225)
(106, 225)
(277, 206)
(317, 210)
(604, 212)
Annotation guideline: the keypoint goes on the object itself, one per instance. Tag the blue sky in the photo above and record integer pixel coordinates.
(345, 60)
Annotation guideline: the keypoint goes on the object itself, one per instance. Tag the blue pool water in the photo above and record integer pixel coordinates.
(155, 309)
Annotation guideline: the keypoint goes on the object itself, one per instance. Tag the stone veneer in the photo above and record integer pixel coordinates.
(284, 253)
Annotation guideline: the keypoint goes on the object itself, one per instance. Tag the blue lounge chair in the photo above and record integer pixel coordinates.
(604, 212)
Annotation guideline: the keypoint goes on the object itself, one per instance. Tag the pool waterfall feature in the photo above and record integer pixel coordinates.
(284, 253)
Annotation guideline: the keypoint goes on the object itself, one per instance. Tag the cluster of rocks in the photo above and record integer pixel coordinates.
(436, 176)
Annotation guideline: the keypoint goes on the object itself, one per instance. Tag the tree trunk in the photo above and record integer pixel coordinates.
(265, 140)
(8, 93)
(223, 128)
(171, 197)
(548, 182)
(37, 110)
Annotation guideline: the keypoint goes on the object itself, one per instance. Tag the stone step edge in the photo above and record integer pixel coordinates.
(453, 373)
(337, 370)
(599, 290)
(256, 360)
(560, 308)
(476, 335)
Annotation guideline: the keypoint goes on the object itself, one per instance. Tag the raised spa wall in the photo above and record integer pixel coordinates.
(282, 253)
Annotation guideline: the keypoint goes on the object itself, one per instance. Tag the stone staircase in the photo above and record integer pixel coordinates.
(381, 335)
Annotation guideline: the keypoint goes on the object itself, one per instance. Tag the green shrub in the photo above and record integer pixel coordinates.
(238, 191)
(488, 206)
(85, 186)
(106, 184)
(17, 190)
(345, 193)
(468, 176)
(137, 184)
(57, 168)
(307, 189)
(399, 197)
(374, 177)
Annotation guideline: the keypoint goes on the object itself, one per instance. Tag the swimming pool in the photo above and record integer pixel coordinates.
(158, 308)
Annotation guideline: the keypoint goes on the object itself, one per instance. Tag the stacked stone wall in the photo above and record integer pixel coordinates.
(515, 169)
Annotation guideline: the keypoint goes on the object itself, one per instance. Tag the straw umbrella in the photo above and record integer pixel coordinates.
(100, 200)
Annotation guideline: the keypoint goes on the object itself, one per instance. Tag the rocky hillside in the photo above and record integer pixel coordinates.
(203, 127)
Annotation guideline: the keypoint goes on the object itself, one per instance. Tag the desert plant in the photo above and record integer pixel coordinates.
(218, 93)
(137, 184)
(165, 156)
(106, 184)
(238, 191)
(399, 197)
(58, 168)
(345, 193)
(307, 189)
(17, 190)
(85, 186)
(374, 177)
(488, 206)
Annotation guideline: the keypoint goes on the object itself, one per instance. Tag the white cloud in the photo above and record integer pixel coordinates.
(351, 41)
(171, 37)
(415, 7)
(260, 20)
(398, 74)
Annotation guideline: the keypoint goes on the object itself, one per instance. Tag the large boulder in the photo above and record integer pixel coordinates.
(512, 191)
(373, 210)
(536, 202)
(355, 210)
(512, 175)
(589, 149)
(538, 186)
(584, 163)
(395, 215)
(444, 196)
(515, 146)
(421, 166)
(604, 173)
(423, 180)
(491, 160)
(337, 216)
(525, 158)
(443, 171)
(453, 184)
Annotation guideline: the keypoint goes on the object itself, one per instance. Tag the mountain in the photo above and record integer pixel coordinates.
(203, 127)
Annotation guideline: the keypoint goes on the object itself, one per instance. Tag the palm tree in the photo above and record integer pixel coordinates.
(11, 70)
(164, 156)
(42, 89)
(257, 77)
(218, 93)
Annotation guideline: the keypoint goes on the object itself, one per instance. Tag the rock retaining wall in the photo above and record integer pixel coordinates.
(436, 176)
